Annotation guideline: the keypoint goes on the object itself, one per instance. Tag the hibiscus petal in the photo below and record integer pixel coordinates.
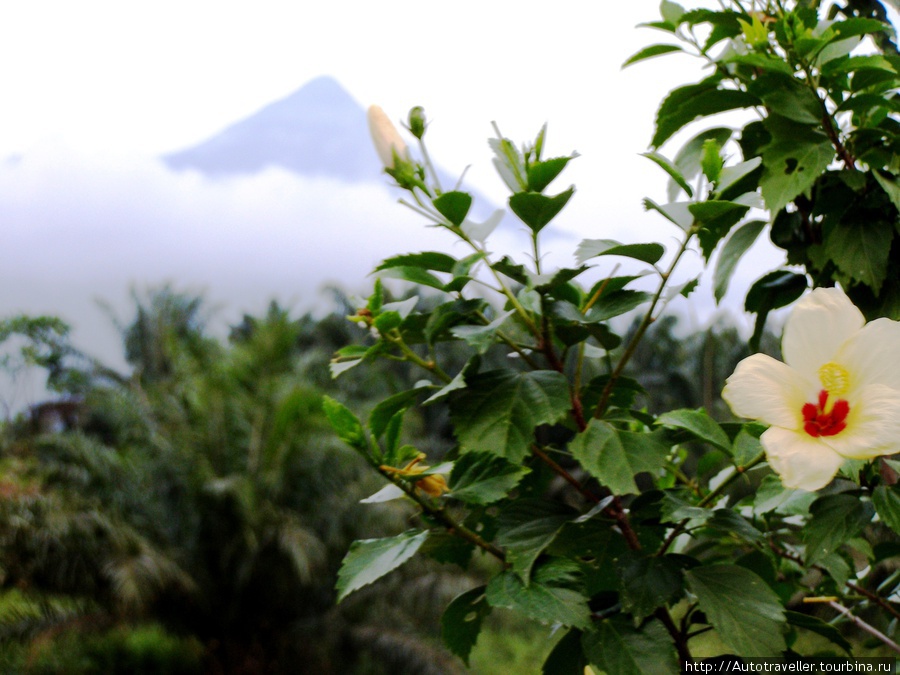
(802, 461)
(817, 327)
(872, 356)
(765, 389)
(873, 425)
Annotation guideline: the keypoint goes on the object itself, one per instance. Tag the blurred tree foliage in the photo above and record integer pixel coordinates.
(204, 502)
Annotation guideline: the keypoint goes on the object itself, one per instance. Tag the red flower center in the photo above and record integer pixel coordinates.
(819, 421)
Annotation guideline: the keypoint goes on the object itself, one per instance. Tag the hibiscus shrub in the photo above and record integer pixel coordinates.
(639, 533)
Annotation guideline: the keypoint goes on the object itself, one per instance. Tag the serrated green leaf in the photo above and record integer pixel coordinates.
(673, 171)
(615, 304)
(426, 260)
(688, 158)
(370, 559)
(526, 528)
(818, 626)
(792, 162)
(461, 622)
(414, 275)
(773, 496)
(671, 12)
(502, 409)
(745, 612)
(383, 412)
(484, 478)
(650, 52)
(614, 457)
(685, 104)
(345, 423)
(618, 648)
(566, 657)
(546, 604)
(890, 184)
(590, 248)
(674, 212)
(787, 96)
(697, 423)
(648, 582)
(711, 160)
(861, 250)
(541, 174)
(454, 206)
(887, 503)
(480, 338)
(537, 210)
(716, 218)
(738, 243)
(772, 291)
(510, 268)
(834, 519)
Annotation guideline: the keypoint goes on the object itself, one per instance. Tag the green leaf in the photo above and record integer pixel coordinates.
(427, 260)
(480, 338)
(461, 622)
(887, 503)
(590, 248)
(502, 408)
(509, 163)
(415, 275)
(648, 582)
(370, 559)
(526, 528)
(567, 657)
(711, 160)
(762, 61)
(773, 496)
(613, 457)
(816, 625)
(541, 174)
(890, 184)
(618, 648)
(715, 218)
(834, 519)
(650, 52)
(454, 206)
(737, 244)
(861, 249)
(788, 97)
(383, 412)
(673, 171)
(546, 604)
(792, 162)
(685, 104)
(860, 26)
(697, 423)
(615, 304)
(671, 12)
(688, 158)
(745, 612)
(484, 478)
(772, 291)
(345, 423)
(510, 268)
(536, 210)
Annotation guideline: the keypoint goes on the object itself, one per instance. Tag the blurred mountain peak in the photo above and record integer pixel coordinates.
(317, 131)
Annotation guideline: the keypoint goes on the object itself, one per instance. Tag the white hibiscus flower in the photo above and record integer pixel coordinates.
(836, 396)
(388, 143)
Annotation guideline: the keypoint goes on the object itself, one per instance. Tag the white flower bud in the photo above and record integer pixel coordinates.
(387, 140)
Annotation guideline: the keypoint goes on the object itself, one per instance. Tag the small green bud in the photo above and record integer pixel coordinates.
(417, 121)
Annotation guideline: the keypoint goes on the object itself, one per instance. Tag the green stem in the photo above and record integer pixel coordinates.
(440, 514)
(710, 497)
(396, 339)
(645, 324)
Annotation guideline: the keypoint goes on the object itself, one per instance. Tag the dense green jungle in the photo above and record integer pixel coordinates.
(190, 515)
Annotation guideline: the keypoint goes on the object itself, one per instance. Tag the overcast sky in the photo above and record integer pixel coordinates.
(95, 91)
